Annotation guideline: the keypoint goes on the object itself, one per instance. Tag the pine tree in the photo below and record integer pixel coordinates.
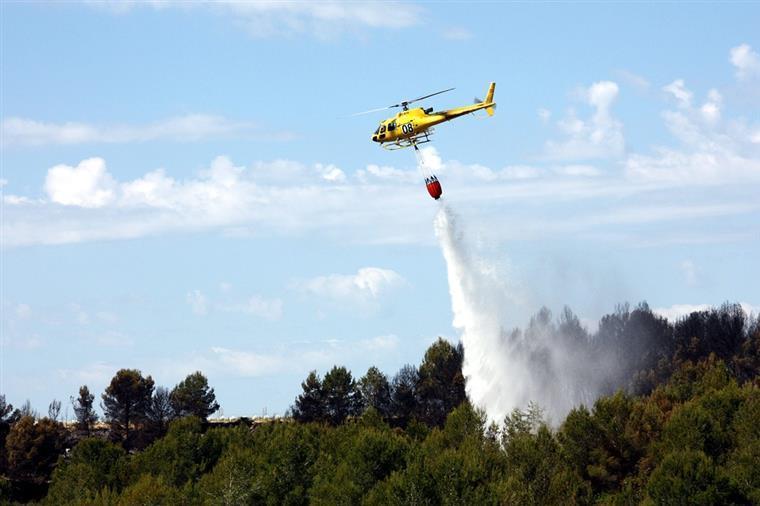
(126, 401)
(193, 397)
(309, 406)
(83, 410)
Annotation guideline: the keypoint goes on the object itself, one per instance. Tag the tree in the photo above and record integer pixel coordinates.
(54, 409)
(92, 465)
(8, 416)
(85, 414)
(309, 406)
(126, 401)
(184, 454)
(341, 396)
(441, 383)
(404, 395)
(192, 396)
(688, 477)
(160, 412)
(26, 409)
(375, 391)
(33, 447)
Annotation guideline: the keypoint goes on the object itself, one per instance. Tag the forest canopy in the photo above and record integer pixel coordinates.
(679, 423)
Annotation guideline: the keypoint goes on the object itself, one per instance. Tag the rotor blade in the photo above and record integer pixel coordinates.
(428, 96)
(371, 111)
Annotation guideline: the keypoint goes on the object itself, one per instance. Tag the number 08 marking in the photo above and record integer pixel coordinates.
(407, 128)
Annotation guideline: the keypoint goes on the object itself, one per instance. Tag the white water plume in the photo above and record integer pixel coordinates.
(505, 370)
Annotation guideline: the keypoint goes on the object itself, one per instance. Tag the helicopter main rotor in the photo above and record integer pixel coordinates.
(404, 105)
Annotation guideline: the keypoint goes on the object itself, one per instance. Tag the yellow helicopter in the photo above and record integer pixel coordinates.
(413, 126)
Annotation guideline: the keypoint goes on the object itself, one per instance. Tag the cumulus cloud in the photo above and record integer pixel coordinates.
(188, 128)
(368, 284)
(600, 136)
(86, 185)
(746, 60)
(679, 91)
(712, 150)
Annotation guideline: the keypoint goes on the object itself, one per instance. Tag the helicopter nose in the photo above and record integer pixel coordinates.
(374, 138)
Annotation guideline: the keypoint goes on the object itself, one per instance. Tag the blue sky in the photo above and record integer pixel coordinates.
(183, 187)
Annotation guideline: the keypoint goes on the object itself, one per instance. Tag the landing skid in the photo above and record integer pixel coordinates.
(409, 142)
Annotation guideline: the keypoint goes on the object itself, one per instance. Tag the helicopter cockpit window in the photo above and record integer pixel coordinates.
(382, 129)
(392, 126)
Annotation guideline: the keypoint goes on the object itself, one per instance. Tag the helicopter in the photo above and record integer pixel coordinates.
(410, 127)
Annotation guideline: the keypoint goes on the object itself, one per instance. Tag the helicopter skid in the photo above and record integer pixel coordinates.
(409, 142)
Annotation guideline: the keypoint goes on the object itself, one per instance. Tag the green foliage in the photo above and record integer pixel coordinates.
(150, 490)
(184, 454)
(355, 458)
(341, 396)
(375, 391)
(687, 477)
(310, 405)
(126, 401)
(33, 447)
(193, 397)
(92, 466)
(441, 384)
(404, 395)
(686, 432)
(83, 409)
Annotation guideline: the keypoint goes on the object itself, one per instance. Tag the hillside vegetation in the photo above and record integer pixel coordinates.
(680, 426)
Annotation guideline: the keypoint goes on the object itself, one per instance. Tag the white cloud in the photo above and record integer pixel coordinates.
(682, 95)
(689, 270)
(457, 33)
(711, 108)
(381, 343)
(86, 185)
(544, 115)
(331, 173)
(519, 172)
(368, 284)
(677, 311)
(578, 170)
(189, 128)
(197, 301)
(633, 79)
(324, 19)
(601, 136)
(243, 363)
(746, 60)
(713, 150)
(264, 308)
